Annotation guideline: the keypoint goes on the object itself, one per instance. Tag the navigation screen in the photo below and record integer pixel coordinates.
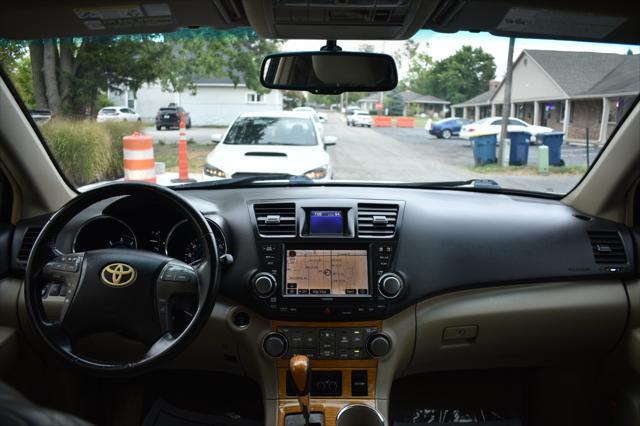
(326, 273)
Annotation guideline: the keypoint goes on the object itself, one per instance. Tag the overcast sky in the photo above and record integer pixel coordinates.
(441, 45)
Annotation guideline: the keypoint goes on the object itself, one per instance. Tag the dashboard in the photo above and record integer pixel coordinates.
(319, 254)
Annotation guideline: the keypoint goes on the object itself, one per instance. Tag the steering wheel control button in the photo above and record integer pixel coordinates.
(379, 345)
(177, 273)
(264, 284)
(390, 285)
(275, 345)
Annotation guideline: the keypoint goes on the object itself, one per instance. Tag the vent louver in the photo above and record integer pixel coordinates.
(377, 220)
(29, 238)
(276, 219)
(607, 247)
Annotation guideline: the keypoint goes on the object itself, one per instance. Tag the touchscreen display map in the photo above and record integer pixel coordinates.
(326, 272)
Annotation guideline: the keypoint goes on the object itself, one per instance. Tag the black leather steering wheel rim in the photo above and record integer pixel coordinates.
(205, 277)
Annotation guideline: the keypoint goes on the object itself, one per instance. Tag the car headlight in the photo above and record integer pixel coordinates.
(318, 173)
(210, 170)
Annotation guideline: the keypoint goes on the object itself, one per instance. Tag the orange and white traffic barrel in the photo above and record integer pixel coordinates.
(139, 163)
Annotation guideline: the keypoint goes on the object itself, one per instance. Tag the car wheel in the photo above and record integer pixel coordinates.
(189, 124)
(158, 127)
(446, 134)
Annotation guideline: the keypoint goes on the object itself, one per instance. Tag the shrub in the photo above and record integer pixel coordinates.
(83, 149)
(88, 151)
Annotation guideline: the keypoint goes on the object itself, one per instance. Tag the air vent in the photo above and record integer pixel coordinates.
(607, 247)
(29, 238)
(276, 219)
(377, 220)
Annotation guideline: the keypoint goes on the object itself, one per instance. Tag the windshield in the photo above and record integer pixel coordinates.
(200, 88)
(271, 131)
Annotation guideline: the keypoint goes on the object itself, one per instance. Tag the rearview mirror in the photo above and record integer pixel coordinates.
(329, 72)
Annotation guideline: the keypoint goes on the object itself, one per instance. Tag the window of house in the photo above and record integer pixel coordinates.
(613, 111)
(255, 98)
(561, 112)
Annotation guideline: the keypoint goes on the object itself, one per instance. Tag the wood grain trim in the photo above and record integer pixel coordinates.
(330, 408)
(346, 384)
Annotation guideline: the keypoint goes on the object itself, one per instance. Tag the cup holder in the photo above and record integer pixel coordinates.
(359, 415)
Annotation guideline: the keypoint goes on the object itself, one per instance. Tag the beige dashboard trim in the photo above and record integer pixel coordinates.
(521, 325)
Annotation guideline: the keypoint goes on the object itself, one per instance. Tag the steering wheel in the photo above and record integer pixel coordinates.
(121, 290)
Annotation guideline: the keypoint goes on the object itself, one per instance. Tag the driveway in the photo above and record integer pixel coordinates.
(392, 154)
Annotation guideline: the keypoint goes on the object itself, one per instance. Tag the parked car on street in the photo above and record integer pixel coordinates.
(169, 117)
(323, 117)
(117, 113)
(493, 125)
(446, 128)
(41, 116)
(360, 119)
(270, 143)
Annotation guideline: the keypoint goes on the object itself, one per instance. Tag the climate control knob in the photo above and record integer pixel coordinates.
(379, 345)
(264, 284)
(275, 345)
(390, 285)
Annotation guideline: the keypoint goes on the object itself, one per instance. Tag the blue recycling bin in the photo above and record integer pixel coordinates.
(554, 141)
(484, 149)
(519, 155)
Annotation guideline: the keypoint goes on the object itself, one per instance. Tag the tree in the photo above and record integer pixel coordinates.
(292, 99)
(365, 47)
(394, 103)
(69, 74)
(457, 78)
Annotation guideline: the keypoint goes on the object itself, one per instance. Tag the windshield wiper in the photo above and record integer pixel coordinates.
(474, 183)
(243, 181)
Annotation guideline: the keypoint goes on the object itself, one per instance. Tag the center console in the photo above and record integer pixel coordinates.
(327, 260)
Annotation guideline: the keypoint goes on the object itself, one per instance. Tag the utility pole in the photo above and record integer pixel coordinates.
(506, 103)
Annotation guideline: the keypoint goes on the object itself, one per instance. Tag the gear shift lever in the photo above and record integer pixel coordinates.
(301, 372)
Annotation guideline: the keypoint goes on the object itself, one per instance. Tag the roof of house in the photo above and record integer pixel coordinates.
(575, 72)
(427, 99)
(625, 78)
(409, 96)
(580, 74)
(215, 81)
(481, 99)
(374, 97)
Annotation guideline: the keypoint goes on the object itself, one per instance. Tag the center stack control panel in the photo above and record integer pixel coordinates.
(329, 343)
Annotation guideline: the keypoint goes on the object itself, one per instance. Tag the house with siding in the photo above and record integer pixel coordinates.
(215, 101)
(568, 91)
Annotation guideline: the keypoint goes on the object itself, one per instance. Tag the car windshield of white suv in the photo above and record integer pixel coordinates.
(168, 107)
(271, 131)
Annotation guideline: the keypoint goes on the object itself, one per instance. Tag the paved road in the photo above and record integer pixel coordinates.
(202, 135)
(410, 155)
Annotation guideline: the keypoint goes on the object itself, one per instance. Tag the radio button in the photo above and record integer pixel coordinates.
(264, 284)
(327, 335)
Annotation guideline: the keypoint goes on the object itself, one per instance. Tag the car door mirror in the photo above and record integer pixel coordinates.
(329, 72)
(216, 137)
(330, 141)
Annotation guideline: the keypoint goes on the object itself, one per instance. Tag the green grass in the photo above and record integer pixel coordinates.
(528, 170)
(196, 156)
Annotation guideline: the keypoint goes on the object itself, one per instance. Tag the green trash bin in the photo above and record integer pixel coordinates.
(484, 149)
